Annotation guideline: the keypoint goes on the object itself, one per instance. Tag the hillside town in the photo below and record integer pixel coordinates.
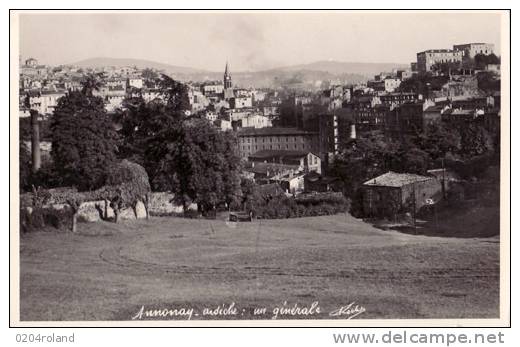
(259, 166)
(297, 139)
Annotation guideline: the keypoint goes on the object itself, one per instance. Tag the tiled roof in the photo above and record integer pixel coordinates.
(393, 179)
(271, 168)
(272, 131)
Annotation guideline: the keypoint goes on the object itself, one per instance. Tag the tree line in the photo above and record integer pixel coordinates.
(466, 148)
(179, 153)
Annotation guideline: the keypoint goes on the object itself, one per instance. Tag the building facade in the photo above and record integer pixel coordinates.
(470, 50)
(252, 140)
(428, 59)
(393, 193)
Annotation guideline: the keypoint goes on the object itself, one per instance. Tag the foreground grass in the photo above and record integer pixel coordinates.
(109, 271)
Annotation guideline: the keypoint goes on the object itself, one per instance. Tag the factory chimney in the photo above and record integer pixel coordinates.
(35, 141)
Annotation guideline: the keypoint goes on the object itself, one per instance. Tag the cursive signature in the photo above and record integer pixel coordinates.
(350, 311)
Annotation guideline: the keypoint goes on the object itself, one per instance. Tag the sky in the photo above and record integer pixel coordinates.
(249, 41)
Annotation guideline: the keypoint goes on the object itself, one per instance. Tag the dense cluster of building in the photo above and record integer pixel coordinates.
(292, 137)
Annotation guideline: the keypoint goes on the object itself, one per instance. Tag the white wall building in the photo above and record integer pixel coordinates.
(256, 121)
(391, 84)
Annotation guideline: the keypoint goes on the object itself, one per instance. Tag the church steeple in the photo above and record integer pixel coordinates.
(227, 77)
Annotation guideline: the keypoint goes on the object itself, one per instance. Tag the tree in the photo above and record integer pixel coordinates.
(364, 158)
(91, 83)
(196, 162)
(24, 166)
(251, 197)
(175, 95)
(141, 121)
(423, 83)
(447, 68)
(84, 143)
(25, 129)
(149, 74)
(127, 184)
(187, 156)
(482, 60)
(437, 140)
(412, 160)
(488, 82)
(475, 141)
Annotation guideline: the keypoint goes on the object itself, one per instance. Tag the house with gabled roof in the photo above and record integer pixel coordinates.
(391, 193)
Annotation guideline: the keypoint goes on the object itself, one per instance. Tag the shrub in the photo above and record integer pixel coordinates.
(41, 218)
(127, 183)
(281, 206)
(58, 218)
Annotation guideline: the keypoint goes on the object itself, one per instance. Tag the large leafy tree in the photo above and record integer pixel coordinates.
(363, 159)
(24, 165)
(84, 142)
(127, 184)
(91, 83)
(182, 154)
(423, 83)
(411, 160)
(481, 60)
(438, 140)
(488, 81)
(142, 121)
(196, 162)
(475, 141)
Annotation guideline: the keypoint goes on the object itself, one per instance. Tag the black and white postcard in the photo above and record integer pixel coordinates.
(260, 168)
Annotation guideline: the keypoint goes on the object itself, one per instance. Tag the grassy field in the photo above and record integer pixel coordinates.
(108, 271)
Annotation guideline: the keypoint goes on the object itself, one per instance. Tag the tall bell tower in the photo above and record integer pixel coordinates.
(227, 78)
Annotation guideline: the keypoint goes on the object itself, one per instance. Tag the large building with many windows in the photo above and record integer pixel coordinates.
(470, 50)
(252, 140)
(428, 59)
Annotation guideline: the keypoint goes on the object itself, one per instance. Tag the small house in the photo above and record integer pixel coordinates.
(392, 193)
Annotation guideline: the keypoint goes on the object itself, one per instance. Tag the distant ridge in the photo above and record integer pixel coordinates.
(275, 77)
(140, 63)
(338, 67)
(332, 67)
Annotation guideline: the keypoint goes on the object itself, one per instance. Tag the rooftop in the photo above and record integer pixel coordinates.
(437, 51)
(270, 169)
(272, 131)
(273, 153)
(435, 108)
(393, 179)
(474, 43)
(460, 112)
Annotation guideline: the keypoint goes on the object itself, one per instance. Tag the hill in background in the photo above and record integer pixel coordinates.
(295, 76)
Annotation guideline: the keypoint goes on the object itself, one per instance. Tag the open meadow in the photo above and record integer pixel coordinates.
(109, 271)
